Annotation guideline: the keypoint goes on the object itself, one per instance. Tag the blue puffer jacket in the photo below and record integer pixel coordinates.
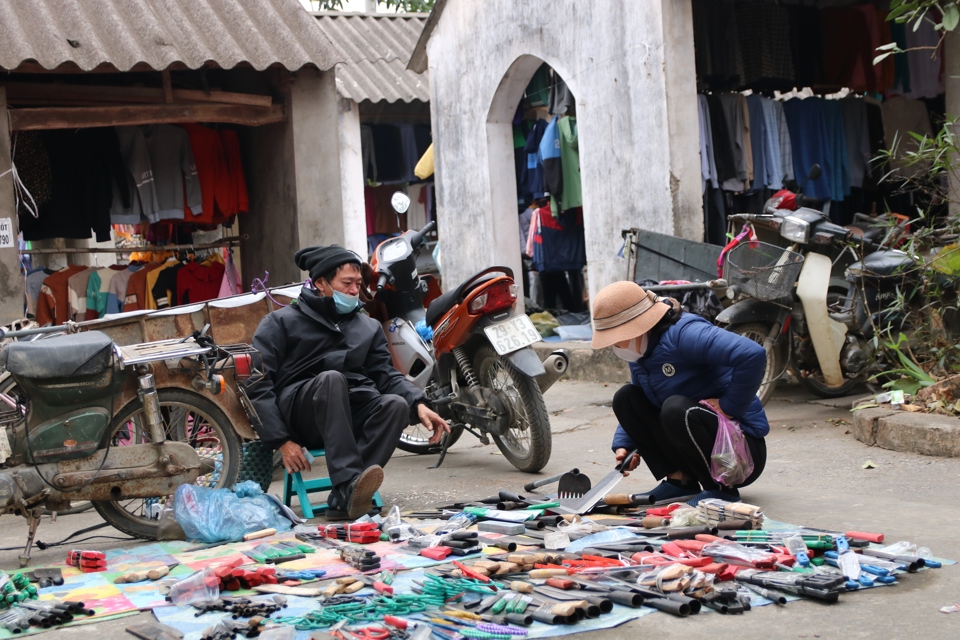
(697, 359)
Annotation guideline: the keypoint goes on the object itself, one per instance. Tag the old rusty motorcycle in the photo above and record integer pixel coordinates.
(85, 420)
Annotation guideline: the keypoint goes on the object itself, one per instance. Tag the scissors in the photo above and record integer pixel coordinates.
(370, 633)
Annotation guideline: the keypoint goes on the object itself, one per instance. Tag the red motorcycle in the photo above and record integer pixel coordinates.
(469, 349)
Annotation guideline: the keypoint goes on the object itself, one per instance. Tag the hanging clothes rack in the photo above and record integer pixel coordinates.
(232, 241)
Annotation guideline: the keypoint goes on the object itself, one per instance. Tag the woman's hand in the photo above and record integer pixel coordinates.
(620, 454)
(715, 405)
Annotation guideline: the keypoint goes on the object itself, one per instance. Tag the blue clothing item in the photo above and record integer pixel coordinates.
(697, 359)
(773, 168)
(560, 249)
(758, 135)
(808, 133)
(837, 146)
(531, 186)
(550, 158)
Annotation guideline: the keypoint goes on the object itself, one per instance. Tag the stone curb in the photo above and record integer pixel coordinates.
(924, 433)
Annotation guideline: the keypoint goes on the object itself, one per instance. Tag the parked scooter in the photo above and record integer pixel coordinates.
(824, 327)
(469, 349)
(69, 442)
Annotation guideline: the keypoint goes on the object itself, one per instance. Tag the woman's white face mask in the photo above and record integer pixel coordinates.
(634, 349)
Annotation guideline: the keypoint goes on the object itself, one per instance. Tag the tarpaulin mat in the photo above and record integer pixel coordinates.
(184, 618)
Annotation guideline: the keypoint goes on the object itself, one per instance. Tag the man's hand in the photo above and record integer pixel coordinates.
(620, 454)
(715, 404)
(293, 458)
(432, 420)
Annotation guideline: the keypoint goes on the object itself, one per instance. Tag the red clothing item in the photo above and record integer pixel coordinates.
(238, 184)
(196, 283)
(213, 174)
(52, 306)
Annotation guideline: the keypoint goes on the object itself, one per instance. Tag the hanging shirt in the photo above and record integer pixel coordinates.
(136, 296)
(164, 290)
(733, 115)
(424, 168)
(837, 147)
(550, 158)
(53, 301)
(212, 174)
(155, 296)
(572, 195)
(758, 134)
(858, 139)
(174, 172)
(926, 77)
(773, 161)
(197, 282)
(786, 144)
(136, 159)
(532, 184)
(77, 294)
(708, 164)
(230, 284)
(34, 282)
(117, 293)
(240, 202)
(98, 290)
(808, 133)
(722, 141)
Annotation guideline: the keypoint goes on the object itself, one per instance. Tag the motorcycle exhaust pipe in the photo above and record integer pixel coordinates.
(556, 365)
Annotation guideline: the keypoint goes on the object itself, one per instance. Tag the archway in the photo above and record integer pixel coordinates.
(563, 285)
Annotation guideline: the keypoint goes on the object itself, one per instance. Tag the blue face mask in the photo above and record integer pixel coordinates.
(345, 303)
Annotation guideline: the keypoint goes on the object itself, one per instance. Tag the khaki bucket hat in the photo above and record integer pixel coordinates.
(623, 311)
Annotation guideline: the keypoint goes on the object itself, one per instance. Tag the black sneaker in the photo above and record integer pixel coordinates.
(356, 499)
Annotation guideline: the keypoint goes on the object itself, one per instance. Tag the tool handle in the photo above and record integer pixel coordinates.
(865, 535)
(530, 486)
(626, 460)
(263, 533)
(537, 574)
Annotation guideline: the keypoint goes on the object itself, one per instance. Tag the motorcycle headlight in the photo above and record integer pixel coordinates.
(772, 205)
(795, 230)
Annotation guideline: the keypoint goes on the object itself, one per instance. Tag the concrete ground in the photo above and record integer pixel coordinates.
(814, 476)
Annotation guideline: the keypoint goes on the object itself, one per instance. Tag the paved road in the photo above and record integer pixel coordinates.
(814, 476)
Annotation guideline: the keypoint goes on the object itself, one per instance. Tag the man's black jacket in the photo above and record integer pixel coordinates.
(309, 337)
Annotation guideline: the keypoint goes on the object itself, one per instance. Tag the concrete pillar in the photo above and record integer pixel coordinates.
(11, 282)
(680, 73)
(951, 81)
(326, 153)
(351, 179)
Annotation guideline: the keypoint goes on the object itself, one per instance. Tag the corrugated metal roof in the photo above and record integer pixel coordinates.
(159, 34)
(375, 50)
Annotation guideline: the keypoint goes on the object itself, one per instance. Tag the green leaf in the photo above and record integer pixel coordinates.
(880, 58)
(951, 16)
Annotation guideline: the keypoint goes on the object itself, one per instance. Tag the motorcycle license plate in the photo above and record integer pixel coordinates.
(516, 333)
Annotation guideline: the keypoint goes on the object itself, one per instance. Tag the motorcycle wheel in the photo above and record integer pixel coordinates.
(528, 442)
(189, 418)
(416, 439)
(758, 331)
(815, 384)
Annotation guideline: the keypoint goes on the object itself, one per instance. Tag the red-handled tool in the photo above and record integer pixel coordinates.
(865, 535)
(393, 621)
(470, 573)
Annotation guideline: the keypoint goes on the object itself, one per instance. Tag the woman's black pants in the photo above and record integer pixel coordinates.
(678, 436)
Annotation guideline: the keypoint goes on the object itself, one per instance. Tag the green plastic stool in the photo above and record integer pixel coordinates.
(295, 485)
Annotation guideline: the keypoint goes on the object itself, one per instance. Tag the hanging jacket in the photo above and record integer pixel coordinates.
(531, 186)
(307, 338)
(697, 359)
(550, 158)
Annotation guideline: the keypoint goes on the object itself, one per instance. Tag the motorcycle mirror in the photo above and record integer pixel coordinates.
(401, 201)
(815, 173)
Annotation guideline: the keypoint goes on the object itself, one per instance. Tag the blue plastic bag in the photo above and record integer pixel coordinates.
(218, 515)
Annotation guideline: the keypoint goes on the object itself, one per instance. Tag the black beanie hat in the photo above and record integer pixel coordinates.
(319, 261)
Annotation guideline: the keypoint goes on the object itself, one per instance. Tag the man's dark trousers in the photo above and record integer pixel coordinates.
(357, 427)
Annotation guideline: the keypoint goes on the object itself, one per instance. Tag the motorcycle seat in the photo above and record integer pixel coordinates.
(886, 262)
(82, 354)
(439, 307)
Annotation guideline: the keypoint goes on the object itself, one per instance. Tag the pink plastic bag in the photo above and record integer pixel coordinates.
(730, 461)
